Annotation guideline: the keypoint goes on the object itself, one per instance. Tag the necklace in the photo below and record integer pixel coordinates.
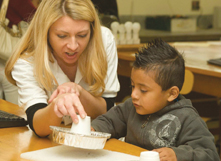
(144, 124)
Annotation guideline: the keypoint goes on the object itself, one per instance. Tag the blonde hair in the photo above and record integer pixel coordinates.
(92, 63)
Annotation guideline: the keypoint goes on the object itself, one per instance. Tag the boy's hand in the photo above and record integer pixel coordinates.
(166, 154)
(92, 129)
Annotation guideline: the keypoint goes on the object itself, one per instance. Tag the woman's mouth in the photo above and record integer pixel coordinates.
(70, 54)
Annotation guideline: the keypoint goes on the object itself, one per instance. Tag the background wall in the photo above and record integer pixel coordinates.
(165, 7)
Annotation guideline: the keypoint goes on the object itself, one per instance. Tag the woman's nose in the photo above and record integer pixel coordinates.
(72, 44)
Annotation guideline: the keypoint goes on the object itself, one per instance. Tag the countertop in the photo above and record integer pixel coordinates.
(199, 35)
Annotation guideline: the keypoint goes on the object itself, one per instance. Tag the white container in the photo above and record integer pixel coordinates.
(183, 25)
(149, 156)
(217, 18)
(82, 127)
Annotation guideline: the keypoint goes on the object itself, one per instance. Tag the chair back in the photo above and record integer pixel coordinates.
(188, 82)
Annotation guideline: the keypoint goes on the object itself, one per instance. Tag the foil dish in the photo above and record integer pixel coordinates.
(64, 136)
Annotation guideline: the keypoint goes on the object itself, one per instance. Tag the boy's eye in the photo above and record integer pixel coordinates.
(131, 86)
(61, 36)
(143, 91)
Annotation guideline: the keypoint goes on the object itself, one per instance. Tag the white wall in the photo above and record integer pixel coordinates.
(165, 7)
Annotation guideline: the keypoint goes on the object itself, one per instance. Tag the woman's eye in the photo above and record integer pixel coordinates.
(61, 36)
(82, 36)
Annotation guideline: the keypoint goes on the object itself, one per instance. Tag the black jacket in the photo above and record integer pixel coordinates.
(177, 126)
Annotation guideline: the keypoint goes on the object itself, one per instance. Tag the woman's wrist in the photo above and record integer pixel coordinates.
(80, 89)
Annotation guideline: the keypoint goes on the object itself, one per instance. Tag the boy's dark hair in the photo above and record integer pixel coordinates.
(164, 60)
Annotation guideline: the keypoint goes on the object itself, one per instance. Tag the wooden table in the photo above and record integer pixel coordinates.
(17, 140)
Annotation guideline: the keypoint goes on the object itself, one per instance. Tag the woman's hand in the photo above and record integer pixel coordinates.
(69, 87)
(166, 154)
(68, 104)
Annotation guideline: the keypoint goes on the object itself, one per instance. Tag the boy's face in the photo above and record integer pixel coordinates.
(147, 95)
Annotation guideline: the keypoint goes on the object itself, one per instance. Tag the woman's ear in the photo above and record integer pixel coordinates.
(173, 93)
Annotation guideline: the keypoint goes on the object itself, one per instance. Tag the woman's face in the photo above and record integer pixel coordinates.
(68, 39)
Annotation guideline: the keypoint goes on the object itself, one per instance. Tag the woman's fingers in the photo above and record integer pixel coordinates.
(64, 88)
(57, 112)
(53, 96)
(78, 106)
(69, 104)
(71, 109)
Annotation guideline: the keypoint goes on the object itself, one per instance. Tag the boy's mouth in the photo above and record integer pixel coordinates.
(136, 105)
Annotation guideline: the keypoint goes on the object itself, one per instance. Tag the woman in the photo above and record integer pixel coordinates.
(63, 49)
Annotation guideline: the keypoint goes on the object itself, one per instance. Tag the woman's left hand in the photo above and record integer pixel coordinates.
(69, 87)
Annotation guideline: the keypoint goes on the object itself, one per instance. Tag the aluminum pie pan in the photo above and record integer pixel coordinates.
(64, 136)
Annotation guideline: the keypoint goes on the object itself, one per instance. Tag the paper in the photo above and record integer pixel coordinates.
(67, 153)
(214, 42)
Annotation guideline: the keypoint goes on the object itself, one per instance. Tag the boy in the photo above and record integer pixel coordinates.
(157, 117)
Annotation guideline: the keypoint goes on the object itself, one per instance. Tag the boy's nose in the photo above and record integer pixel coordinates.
(134, 94)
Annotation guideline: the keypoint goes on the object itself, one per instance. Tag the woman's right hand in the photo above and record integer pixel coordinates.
(68, 104)
(69, 87)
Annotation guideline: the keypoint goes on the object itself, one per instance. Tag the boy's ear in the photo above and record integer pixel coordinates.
(173, 93)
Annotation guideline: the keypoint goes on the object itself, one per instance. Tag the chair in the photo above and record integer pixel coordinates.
(212, 123)
(188, 82)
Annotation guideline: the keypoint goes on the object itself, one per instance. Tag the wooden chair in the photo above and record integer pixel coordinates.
(188, 82)
(212, 123)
